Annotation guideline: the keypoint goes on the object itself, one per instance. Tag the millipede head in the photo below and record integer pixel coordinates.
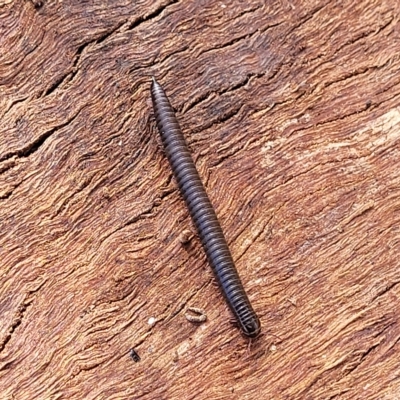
(251, 328)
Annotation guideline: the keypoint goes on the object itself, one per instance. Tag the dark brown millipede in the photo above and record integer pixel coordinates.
(202, 213)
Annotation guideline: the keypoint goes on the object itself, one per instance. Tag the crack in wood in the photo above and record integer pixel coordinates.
(32, 147)
(17, 321)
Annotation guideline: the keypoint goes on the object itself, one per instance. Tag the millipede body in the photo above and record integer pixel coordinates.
(202, 213)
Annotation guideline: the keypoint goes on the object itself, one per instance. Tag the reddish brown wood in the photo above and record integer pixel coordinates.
(292, 111)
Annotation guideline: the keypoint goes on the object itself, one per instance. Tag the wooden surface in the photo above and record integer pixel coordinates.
(291, 109)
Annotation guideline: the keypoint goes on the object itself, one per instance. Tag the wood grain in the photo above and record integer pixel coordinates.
(292, 112)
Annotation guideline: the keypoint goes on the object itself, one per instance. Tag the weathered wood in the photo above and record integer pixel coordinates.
(292, 111)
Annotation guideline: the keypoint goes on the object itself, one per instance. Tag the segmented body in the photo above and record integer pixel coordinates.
(202, 213)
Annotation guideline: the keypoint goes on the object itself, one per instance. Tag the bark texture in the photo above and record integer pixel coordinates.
(291, 109)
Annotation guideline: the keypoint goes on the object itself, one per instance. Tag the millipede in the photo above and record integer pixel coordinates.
(202, 213)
